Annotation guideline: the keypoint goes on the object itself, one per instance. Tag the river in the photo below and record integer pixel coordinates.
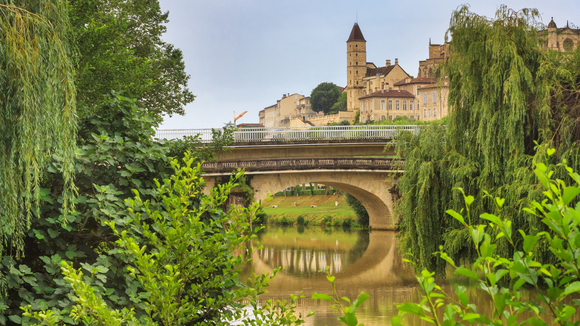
(360, 261)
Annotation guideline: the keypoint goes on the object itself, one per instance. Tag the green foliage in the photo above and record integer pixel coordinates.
(323, 97)
(340, 104)
(120, 48)
(507, 95)
(347, 314)
(37, 110)
(118, 157)
(347, 223)
(362, 216)
(357, 117)
(186, 277)
(300, 220)
(554, 283)
(327, 220)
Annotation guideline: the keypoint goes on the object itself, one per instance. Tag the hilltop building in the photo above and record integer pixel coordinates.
(388, 92)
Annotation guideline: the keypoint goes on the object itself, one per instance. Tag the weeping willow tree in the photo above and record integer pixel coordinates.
(508, 97)
(37, 109)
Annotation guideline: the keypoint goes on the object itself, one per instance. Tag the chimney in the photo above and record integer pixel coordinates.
(388, 63)
(396, 61)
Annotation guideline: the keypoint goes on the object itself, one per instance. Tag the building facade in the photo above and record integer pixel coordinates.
(560, 39)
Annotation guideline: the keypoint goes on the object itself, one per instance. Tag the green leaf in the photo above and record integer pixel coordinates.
(456, 215)
(572, 288)
(466, 272)
(322, 296)
(15, 319)
(529, 242)
(411, 308)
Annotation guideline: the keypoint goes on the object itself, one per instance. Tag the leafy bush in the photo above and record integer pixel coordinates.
(186, 277)
(555, 283)
(347, 222)
(300, 220)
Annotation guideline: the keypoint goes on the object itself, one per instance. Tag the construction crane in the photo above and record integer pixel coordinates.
(236, 118)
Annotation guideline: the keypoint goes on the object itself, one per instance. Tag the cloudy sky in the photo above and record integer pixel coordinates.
(242, 55)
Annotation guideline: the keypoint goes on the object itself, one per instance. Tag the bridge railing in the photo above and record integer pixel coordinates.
(297, 134)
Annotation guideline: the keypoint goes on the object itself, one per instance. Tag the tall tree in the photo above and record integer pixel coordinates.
(507, 94)
(324, 96)
(37, 108)
(120, 49)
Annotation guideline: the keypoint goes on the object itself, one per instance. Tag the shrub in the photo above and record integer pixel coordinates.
(300, 220)
(347, 223)
(555, 284)
(327, 220)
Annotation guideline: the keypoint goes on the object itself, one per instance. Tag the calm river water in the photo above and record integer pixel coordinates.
(360, 260)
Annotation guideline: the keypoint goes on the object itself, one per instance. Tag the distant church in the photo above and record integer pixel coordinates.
(388, 92)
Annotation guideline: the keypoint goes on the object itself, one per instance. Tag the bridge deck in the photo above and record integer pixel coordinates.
(374, 163)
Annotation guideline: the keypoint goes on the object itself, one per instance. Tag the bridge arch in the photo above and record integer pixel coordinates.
(371, 188)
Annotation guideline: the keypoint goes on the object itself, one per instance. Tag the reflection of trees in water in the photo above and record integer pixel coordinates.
(307, 262)
(359, 248)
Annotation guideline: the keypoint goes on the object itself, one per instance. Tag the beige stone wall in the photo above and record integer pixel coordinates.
(377, 108)
(324, 120)
(560, 39)
(269, 116)
(437, 109)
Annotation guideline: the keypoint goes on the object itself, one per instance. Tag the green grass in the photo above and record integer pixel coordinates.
(314, 215)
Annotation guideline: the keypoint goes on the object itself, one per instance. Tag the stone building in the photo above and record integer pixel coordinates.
(560, 39)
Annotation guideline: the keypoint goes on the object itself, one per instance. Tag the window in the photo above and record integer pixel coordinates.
(411, 105)
(390, 105)
(397, 105)
(418, 106)
(383, 117)
(418, 117)
(434, 97)
(429, 112)
(425, 113)
(372, 106)
(383, 105)
(412, 117)
(367, 106)
(390, 117)
(361, 106)
(434, 112)
(424, 98)
(404, 105)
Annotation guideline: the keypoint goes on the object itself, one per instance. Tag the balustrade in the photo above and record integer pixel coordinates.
(297, 134)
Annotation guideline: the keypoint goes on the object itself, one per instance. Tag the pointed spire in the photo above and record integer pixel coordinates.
(552, 24)
(356, 34)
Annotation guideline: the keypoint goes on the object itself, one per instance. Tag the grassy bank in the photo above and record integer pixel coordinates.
(293, 206)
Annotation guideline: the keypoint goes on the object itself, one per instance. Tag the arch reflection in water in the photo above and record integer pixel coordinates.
(360, 261)
(305, 254)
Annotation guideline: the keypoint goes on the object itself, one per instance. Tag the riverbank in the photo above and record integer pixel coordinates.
(291, 207)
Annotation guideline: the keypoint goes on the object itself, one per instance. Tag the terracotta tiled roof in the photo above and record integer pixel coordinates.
(356, 34)
(383, 70)
(389, 93)
(341, 89)
(417, 81)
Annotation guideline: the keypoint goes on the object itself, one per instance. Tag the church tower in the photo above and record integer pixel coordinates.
(356, 63)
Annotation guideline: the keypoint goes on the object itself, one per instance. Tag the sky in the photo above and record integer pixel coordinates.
(243, 55)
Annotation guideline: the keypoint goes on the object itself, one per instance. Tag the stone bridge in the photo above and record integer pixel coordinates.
(356, 159)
